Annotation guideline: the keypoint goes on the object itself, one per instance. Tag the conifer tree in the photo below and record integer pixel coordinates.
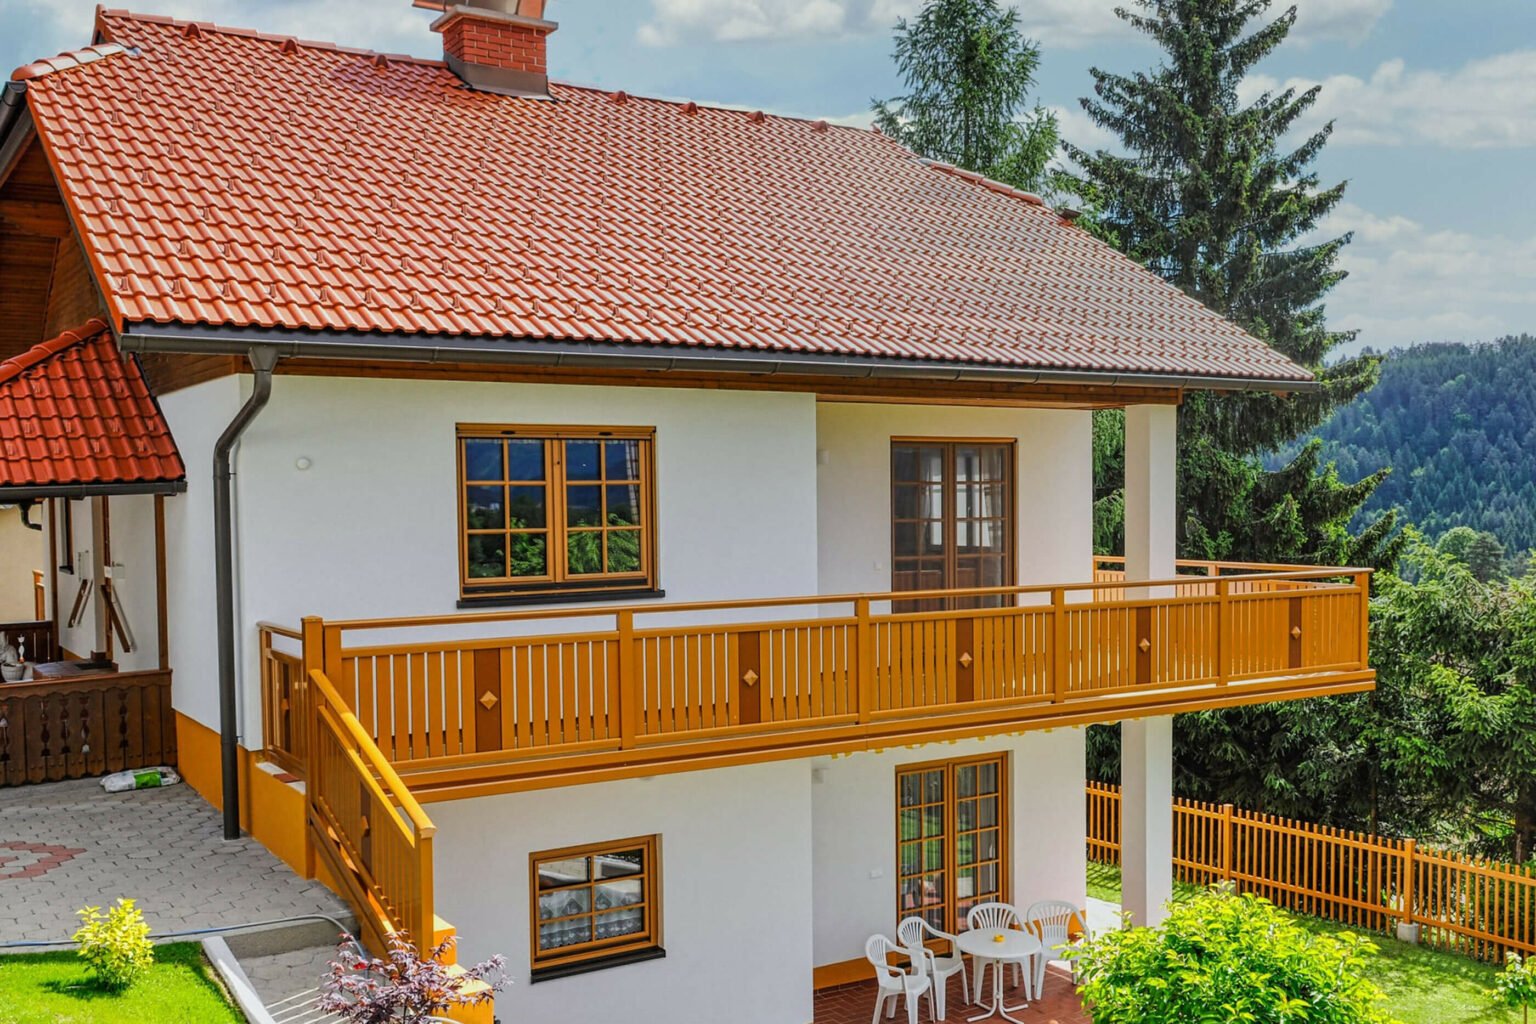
(1210, 195)
(968, 72)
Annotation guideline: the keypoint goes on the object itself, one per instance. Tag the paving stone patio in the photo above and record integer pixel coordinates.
(65, 845)
(854, 1004)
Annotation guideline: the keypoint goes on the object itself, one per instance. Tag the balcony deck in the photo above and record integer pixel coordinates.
(471, 704)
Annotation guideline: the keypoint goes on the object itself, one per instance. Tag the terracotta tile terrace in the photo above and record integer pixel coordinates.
(853, 1004)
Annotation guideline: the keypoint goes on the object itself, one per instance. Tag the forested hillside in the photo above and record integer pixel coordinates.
(1457, 424)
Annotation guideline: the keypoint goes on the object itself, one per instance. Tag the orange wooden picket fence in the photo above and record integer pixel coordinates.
(1483, 909)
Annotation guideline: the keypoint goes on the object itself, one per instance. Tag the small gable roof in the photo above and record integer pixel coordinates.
(77, 418)
(233, 179)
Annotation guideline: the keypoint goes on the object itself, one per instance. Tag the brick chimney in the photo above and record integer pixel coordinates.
(495, 45)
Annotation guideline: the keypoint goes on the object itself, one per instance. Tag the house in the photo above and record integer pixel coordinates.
(637, 535)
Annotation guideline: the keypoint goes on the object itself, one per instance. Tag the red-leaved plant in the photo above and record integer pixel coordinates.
(404, 987)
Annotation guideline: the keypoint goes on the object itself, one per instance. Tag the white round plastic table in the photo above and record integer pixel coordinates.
(1017, 946)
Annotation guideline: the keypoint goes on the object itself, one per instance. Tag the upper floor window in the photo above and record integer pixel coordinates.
(555, 509)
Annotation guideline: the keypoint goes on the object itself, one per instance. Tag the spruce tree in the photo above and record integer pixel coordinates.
(1210, 196)
(968, 72)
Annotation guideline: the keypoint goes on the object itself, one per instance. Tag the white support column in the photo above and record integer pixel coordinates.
(1146, 744)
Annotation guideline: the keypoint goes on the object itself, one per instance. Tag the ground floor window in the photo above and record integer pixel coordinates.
(595, 901)
(951, 838)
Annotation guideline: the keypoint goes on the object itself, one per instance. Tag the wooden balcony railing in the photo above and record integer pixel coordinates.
(372, 833)
(664, 687)
(77, 727)
(284, 697)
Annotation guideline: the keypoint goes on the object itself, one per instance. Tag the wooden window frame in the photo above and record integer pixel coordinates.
(1003, 760)
(950, 518)
(557, 581)
(625, 949)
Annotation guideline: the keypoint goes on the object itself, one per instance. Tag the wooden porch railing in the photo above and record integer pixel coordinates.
(712, 680)
(83, 726)
(284, 697)
(374, 836)
(39, 639)
(1483, 909)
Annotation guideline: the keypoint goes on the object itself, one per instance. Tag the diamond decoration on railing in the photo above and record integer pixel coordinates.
(750, 678)
(965, 660)
(489, 700)
(1145, 645)
(1296, 632)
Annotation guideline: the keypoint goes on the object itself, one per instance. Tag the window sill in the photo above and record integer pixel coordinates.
(559, 597)
(634, 956)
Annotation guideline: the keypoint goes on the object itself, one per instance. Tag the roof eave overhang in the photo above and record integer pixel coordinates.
(16, 127)
(438, 348)
(35, 492)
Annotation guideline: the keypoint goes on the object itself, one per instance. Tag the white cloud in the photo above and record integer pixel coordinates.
(388, 25)
(1056, 23)
(1409, 282)
(1486, 103)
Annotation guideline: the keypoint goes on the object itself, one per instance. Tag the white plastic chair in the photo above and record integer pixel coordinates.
(895, 982)
(1051, 920)
(912, 932)
(997, 916)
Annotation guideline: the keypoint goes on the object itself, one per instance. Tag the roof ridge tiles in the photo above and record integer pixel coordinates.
(68, 59)
(22, 362)
(103, 14)
(991, 184)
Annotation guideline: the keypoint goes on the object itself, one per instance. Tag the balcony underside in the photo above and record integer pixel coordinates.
(665, 688)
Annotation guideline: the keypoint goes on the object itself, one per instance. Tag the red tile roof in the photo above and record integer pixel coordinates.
(231, 178)
(74, 411)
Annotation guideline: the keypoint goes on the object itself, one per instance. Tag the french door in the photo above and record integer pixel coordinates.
(952, 521)
(951, 839)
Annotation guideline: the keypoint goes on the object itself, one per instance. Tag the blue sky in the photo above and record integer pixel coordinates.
(1434, 103)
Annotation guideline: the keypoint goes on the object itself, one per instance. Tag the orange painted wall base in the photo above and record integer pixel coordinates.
(272, 811)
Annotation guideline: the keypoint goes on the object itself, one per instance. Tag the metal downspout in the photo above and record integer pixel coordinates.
(263, 360)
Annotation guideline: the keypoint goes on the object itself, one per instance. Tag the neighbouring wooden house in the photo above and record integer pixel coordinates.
(641, 536)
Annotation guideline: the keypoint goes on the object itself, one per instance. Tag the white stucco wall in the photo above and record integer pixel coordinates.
(1054, 478)
(736, 907)
(196, 416)
(853, 832)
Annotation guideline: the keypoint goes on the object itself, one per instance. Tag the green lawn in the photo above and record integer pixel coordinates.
(1422, 986)
(55, 988)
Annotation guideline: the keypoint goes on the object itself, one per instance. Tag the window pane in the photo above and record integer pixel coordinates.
(584, 553)
(526, 507)
(911, 790)
(487, 555)
(564, 903)
(986, 845)
(903, 462)
(484, 508)
(621, 460)
(525, 460)
(619, 865)
(565, 933)
(581, 460)
(622, 922)
(933, 783)
(965, 884)
(482, 459)
(623, 893)
(911, 858)
(910, 822)
(965, 815)
(584, 506)
(987, 815)
(965, 779)
(989, 777)
(529, 555)
(933, 821)
(986, 880)
(965, 849)
(553, 873)
(624, 505)
(624, 551)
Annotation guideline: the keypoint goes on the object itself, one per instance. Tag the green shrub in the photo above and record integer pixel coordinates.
(1221, 958)
(1515, 985)
(115, 944)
